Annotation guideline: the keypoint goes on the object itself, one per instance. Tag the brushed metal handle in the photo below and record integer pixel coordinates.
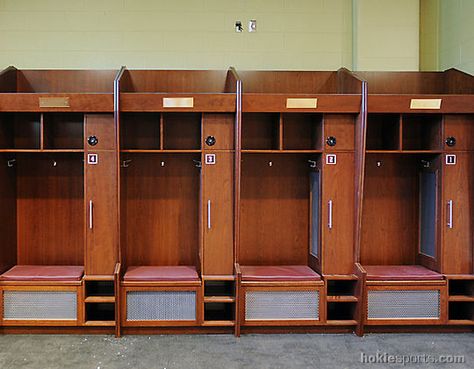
(208, 214)
(330, 214)
(91, 214)
(450, 214)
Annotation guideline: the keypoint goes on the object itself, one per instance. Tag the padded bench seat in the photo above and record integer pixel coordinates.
(42, 273)
(291, 273)
(161, 273)
(400, 273)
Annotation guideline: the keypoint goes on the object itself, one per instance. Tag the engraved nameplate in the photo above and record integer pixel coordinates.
(425, 104)
(301, 103)
(178, 102)
(54, 102)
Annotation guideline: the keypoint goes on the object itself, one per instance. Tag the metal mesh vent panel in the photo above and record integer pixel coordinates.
(282, 305)
(39, 305)
(161, 305)
(403, 304)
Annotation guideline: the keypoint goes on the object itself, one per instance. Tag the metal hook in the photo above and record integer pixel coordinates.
(312, 163)
(197, 163)
(378, 163)
(55, 163)
(270, 163)
(11, 163)
(162, 163)
(425, 163)
(125, 163)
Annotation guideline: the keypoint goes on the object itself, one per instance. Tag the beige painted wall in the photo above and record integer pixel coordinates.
(456, 35)
(386, 35)
(429, 35)
(292, 34)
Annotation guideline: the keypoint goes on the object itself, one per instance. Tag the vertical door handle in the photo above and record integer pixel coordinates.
(330, 214)
(208, 214)
(450, 214)
(91, 214)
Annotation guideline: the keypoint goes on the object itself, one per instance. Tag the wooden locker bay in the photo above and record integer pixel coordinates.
(416, 236)
(300, 139)
(49, 122)
(177, 153)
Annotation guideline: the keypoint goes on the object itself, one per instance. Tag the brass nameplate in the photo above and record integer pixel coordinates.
(178, 102)
(425, 104)
(54, 102)
(301, 103)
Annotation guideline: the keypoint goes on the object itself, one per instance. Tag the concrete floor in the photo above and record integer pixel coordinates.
(223, 351)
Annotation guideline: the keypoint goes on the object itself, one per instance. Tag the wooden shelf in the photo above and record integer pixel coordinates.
(404, 151)
(341, 322)
(248, 151)
(99, 299)
(223, 299)
(218, 323)
(341, 298)
(161, 151)
(40, 151)
(100, 323)
(460, 322)
(461, 298)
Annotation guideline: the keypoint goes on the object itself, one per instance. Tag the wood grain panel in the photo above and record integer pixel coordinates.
(338, 242)
(103, 127)
(27, 102)
(274, 209)
(102, 239)
(401, 104)
(341, 126)
(140, 131)
(457, 242)
(50, 209)
(390, 210)
(460, 126)
(218, 187)
(160, 210)
(220, 126)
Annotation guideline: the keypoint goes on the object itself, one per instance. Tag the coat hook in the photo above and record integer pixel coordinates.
(379, 163)
(11, 163)
(270, 163)
(197, 163)
(162, 163)
(425, 163)
(55, 163)
(125, 163)
(312, 163)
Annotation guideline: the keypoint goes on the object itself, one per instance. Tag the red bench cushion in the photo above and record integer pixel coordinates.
(59, 273)
(400, 273)
(161, 273)
(279, 273)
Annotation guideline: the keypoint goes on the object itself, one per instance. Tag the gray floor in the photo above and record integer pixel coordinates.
(222, 351)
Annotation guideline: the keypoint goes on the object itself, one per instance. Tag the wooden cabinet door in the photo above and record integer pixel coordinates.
(101, 198)
(457, 218)
(337, 214)
(218, 214)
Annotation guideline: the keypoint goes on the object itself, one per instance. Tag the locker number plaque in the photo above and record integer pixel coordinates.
(210, 159)
(92, 159)
(331, 159)
(451, 159)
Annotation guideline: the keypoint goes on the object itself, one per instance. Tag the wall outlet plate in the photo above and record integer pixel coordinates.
(252, 25)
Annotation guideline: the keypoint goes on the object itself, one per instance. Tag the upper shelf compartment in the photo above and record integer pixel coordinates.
(450, 91)
(300, 91)
(56, 90)
(178, 91)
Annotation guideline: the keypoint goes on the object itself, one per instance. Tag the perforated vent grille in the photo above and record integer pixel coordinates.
(39, 305)
(161, 305)
(282, 305)
(404, 304)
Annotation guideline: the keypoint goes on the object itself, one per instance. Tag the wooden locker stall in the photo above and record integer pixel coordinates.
(416, 247)
(177, 146)
(300, 142)
(53, 261)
